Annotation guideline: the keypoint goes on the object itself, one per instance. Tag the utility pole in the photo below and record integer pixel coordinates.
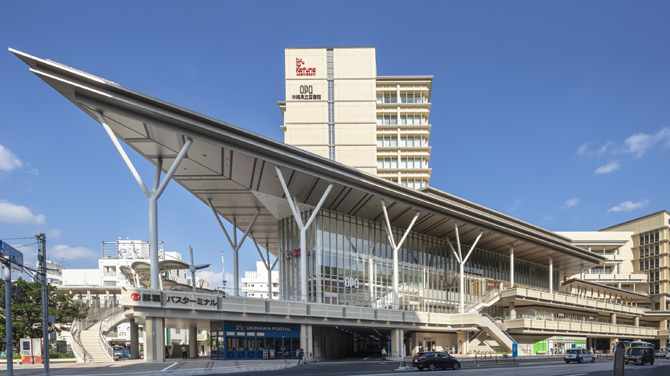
(7, 275)
(42, 258)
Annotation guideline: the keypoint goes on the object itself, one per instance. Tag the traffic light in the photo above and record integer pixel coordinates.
(16, 293)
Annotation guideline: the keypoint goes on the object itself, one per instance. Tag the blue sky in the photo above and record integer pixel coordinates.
(556, 113)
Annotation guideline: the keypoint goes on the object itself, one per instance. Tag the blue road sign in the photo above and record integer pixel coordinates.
(515, 349)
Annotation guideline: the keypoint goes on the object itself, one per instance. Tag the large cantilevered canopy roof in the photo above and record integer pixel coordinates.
(235, 169)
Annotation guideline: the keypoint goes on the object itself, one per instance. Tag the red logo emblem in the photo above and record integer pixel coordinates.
(135, 296)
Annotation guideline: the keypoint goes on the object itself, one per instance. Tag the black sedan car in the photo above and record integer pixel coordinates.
(435, 360)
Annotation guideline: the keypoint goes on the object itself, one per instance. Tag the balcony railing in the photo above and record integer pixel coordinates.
(543, 322)
(616, 277)
(564, 295)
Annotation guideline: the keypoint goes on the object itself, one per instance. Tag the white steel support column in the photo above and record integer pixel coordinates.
(266, 263)
(153, 196)
(462, 261)
(396, 247)
(234, 244)
(303, 229)
(511, 265)
(551, 274)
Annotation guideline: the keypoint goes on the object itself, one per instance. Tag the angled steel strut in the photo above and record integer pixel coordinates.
(234, 244)
(153, 196)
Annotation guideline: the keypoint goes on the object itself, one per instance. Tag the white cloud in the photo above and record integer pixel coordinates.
(215, 279)
(614, 165)
(582, 149)
(571, 202)
(514, 206)
(628, 206)
(55, 233)
(548, 217)
(639, 143)
(11, 213)
(8, 161)
(70, 253)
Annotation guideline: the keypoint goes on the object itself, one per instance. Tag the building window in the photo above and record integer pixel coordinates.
(411, 119)
(646, 264)
(387, 119)
(411, 97)
(330, 66)
(411, 162)
(387, 141)
(331, 90)
(646, 239)
(387, 97)
(387, 163)
(641, 239)
(656, 248)
(412, 183)
(641, 265)
(656, 235)
(411, 141)
(331, 134)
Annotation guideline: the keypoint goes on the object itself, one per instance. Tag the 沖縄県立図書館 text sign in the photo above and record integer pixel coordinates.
(306, 92)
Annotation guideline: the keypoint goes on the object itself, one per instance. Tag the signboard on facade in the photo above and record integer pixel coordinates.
(169, 299)
(302, 70)
(306, 93)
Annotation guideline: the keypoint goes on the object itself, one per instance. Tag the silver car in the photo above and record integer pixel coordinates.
(579, 356)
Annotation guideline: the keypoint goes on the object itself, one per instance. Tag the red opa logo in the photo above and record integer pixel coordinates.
(135, 296)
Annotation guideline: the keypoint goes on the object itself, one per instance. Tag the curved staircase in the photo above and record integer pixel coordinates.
(88, 335)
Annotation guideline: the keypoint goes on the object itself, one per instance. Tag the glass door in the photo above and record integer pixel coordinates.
(240, 346)
(230, 346)
(260, 345)
(251, 346)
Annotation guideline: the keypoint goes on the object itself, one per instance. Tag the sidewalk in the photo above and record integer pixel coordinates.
(172, 367)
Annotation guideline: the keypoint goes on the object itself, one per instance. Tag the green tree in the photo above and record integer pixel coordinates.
(27, 312)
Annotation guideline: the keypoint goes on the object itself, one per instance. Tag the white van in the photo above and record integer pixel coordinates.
(579, 356)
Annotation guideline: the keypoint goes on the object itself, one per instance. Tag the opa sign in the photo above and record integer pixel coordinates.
(306, 89)
(351, 282)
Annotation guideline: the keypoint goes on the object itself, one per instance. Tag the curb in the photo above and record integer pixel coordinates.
(200, 372)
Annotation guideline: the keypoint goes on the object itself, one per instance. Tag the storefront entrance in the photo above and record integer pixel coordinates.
(249, 341)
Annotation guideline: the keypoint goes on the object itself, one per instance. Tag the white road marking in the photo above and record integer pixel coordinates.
(170, 366)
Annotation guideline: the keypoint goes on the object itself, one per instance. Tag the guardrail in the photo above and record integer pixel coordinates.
(104, 345)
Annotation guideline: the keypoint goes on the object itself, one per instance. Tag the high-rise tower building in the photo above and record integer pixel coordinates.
(338, 107)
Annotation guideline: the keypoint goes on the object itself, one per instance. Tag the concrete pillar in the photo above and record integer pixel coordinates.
(463, 342)
(192, 341)
(613, 317)
(636, 321)
(551, 274)
(664, 324)
(396, 343)
(134, 340)
(663, 303)
(511, 265)
(664, 342)
(512, 311)
(154, 339)
(306, 340)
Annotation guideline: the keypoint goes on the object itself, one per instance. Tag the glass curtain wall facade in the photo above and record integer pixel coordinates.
(350, 262)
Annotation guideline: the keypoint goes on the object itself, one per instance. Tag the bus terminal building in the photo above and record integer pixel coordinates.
(366, 256)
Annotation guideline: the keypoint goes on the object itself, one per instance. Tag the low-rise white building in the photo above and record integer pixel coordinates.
(255, 283)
